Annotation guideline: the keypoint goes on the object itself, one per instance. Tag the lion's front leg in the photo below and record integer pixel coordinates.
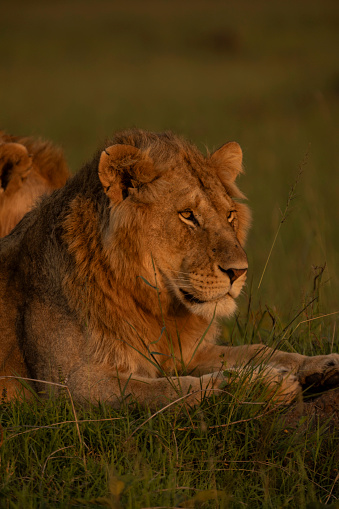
(93, 383)
(292, 371)
(249, 365)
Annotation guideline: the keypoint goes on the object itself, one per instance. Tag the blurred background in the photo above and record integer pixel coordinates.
(263, 73)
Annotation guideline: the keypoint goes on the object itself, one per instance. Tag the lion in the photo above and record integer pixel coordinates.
(113, 285)
(29, 167)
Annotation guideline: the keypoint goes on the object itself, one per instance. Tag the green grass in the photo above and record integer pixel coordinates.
(231, 451)
(266, 75)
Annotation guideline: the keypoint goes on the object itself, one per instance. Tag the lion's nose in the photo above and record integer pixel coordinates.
(233, 274)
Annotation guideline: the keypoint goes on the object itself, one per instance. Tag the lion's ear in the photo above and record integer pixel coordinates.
(15, 166)
(228, 159)
(123, 168)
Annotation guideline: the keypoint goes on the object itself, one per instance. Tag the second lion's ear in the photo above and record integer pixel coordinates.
(15, 166)
(123, 168)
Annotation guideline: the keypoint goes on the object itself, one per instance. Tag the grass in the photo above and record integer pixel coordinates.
(266, 75)
(231, 451)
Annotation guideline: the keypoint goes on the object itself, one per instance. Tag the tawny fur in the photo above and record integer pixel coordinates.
(29, 168)
(114, 283)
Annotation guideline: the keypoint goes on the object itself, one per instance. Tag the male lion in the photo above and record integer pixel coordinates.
(112, 283)
(28, 168)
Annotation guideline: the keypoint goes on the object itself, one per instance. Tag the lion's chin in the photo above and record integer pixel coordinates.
(222, 308)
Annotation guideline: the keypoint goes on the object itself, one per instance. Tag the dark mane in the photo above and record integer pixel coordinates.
(160, 146)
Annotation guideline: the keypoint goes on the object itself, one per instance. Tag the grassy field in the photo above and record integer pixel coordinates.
(232, 452)
(265, 74)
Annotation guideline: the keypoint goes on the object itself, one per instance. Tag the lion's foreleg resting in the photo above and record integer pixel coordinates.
(97, 383)
(320, 370)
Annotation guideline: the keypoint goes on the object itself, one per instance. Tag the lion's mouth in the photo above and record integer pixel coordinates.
(194, 300)
(188, 296)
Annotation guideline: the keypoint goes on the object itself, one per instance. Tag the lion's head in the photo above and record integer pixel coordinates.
(15, 166)
(28, 168)
(179, 211)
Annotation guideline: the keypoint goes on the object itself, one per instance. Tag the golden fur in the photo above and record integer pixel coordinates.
(112, 284)
(29, 167)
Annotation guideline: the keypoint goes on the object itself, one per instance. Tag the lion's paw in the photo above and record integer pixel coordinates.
(320, 371)
(283, 387)
(280, 385)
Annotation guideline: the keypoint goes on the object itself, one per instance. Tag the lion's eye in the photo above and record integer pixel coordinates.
(187, 214)
(188, 217)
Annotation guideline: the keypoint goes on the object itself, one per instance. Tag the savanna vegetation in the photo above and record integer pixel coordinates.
(266, 75)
